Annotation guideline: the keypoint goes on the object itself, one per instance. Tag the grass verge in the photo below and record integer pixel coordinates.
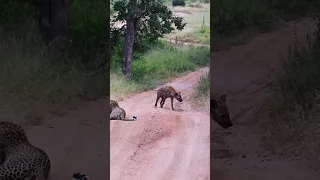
(197, 29)
(201, 36)
(157, 66)
(201, 96)
(293, 126)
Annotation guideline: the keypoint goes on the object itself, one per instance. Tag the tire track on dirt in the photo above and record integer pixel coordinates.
(162, 144)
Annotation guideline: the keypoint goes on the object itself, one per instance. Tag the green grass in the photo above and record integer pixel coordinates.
(293, 109)
(230, 17)
(193, 16)
(198, 22)
(202, 35)
(157, 66)
(201, 95)
(241, 19)
(35, 83)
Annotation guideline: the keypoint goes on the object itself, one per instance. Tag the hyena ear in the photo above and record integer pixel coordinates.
(223, 98)
(213, 103)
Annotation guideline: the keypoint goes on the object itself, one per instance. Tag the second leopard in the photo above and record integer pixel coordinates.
(118, 113)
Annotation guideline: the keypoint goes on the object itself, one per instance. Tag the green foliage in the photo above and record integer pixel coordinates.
(203, 35)
(229, 17)
(88, 31)
(294, 107)
(205, 1)
(178, 3)
(34, 81)
(157, 66)
(299, 84)
(112, 11)
(203, 88)
(16, 15)
(154, 19)
(232, 17)
(289, 10)
(202, 93)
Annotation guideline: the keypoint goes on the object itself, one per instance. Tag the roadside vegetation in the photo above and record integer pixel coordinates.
(160, 64)
(235, 22)
(201, 95)
(155, 61)
(197, 16)
(293, 109)
(35, 83)
(290, 124)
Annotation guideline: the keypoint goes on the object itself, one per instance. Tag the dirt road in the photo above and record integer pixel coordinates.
(76, 142)
(243, 74)
(163, 144)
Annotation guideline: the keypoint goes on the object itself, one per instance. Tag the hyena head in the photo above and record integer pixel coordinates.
(220, 113)
(178, 96)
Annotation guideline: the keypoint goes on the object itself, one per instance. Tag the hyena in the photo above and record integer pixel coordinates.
(118, 113)
(167, 92)
(219, 111)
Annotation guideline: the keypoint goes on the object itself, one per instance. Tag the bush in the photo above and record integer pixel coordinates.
(293, 108)
(178, 3)
(230, 17)
(202, 93)
(162, 63)
(36, 82)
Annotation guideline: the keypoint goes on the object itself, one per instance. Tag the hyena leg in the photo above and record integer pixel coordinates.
(158, 97)
(172, 103)
(163, 100)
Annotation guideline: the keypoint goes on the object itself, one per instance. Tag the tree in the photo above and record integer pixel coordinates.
(149, 19)
(53, 21)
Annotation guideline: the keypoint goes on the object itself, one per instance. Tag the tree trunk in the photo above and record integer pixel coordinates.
(128, 50)
(54, 21)
(59, 24)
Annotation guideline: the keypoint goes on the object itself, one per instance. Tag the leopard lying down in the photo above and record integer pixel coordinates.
(21, 160)
(118, 113)
(219, 111)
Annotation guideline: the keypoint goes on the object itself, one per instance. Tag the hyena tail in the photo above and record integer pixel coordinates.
(80, 176)
(134, 118)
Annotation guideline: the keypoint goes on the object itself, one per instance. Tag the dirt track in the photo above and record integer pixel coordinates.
(76, 142)
(243, 74)
(168, 145)
(163, 144)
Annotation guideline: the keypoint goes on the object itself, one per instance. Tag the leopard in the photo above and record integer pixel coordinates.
(113, 103)
(21, 159)
(219, 111)
(118, 113)
(167, 92)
